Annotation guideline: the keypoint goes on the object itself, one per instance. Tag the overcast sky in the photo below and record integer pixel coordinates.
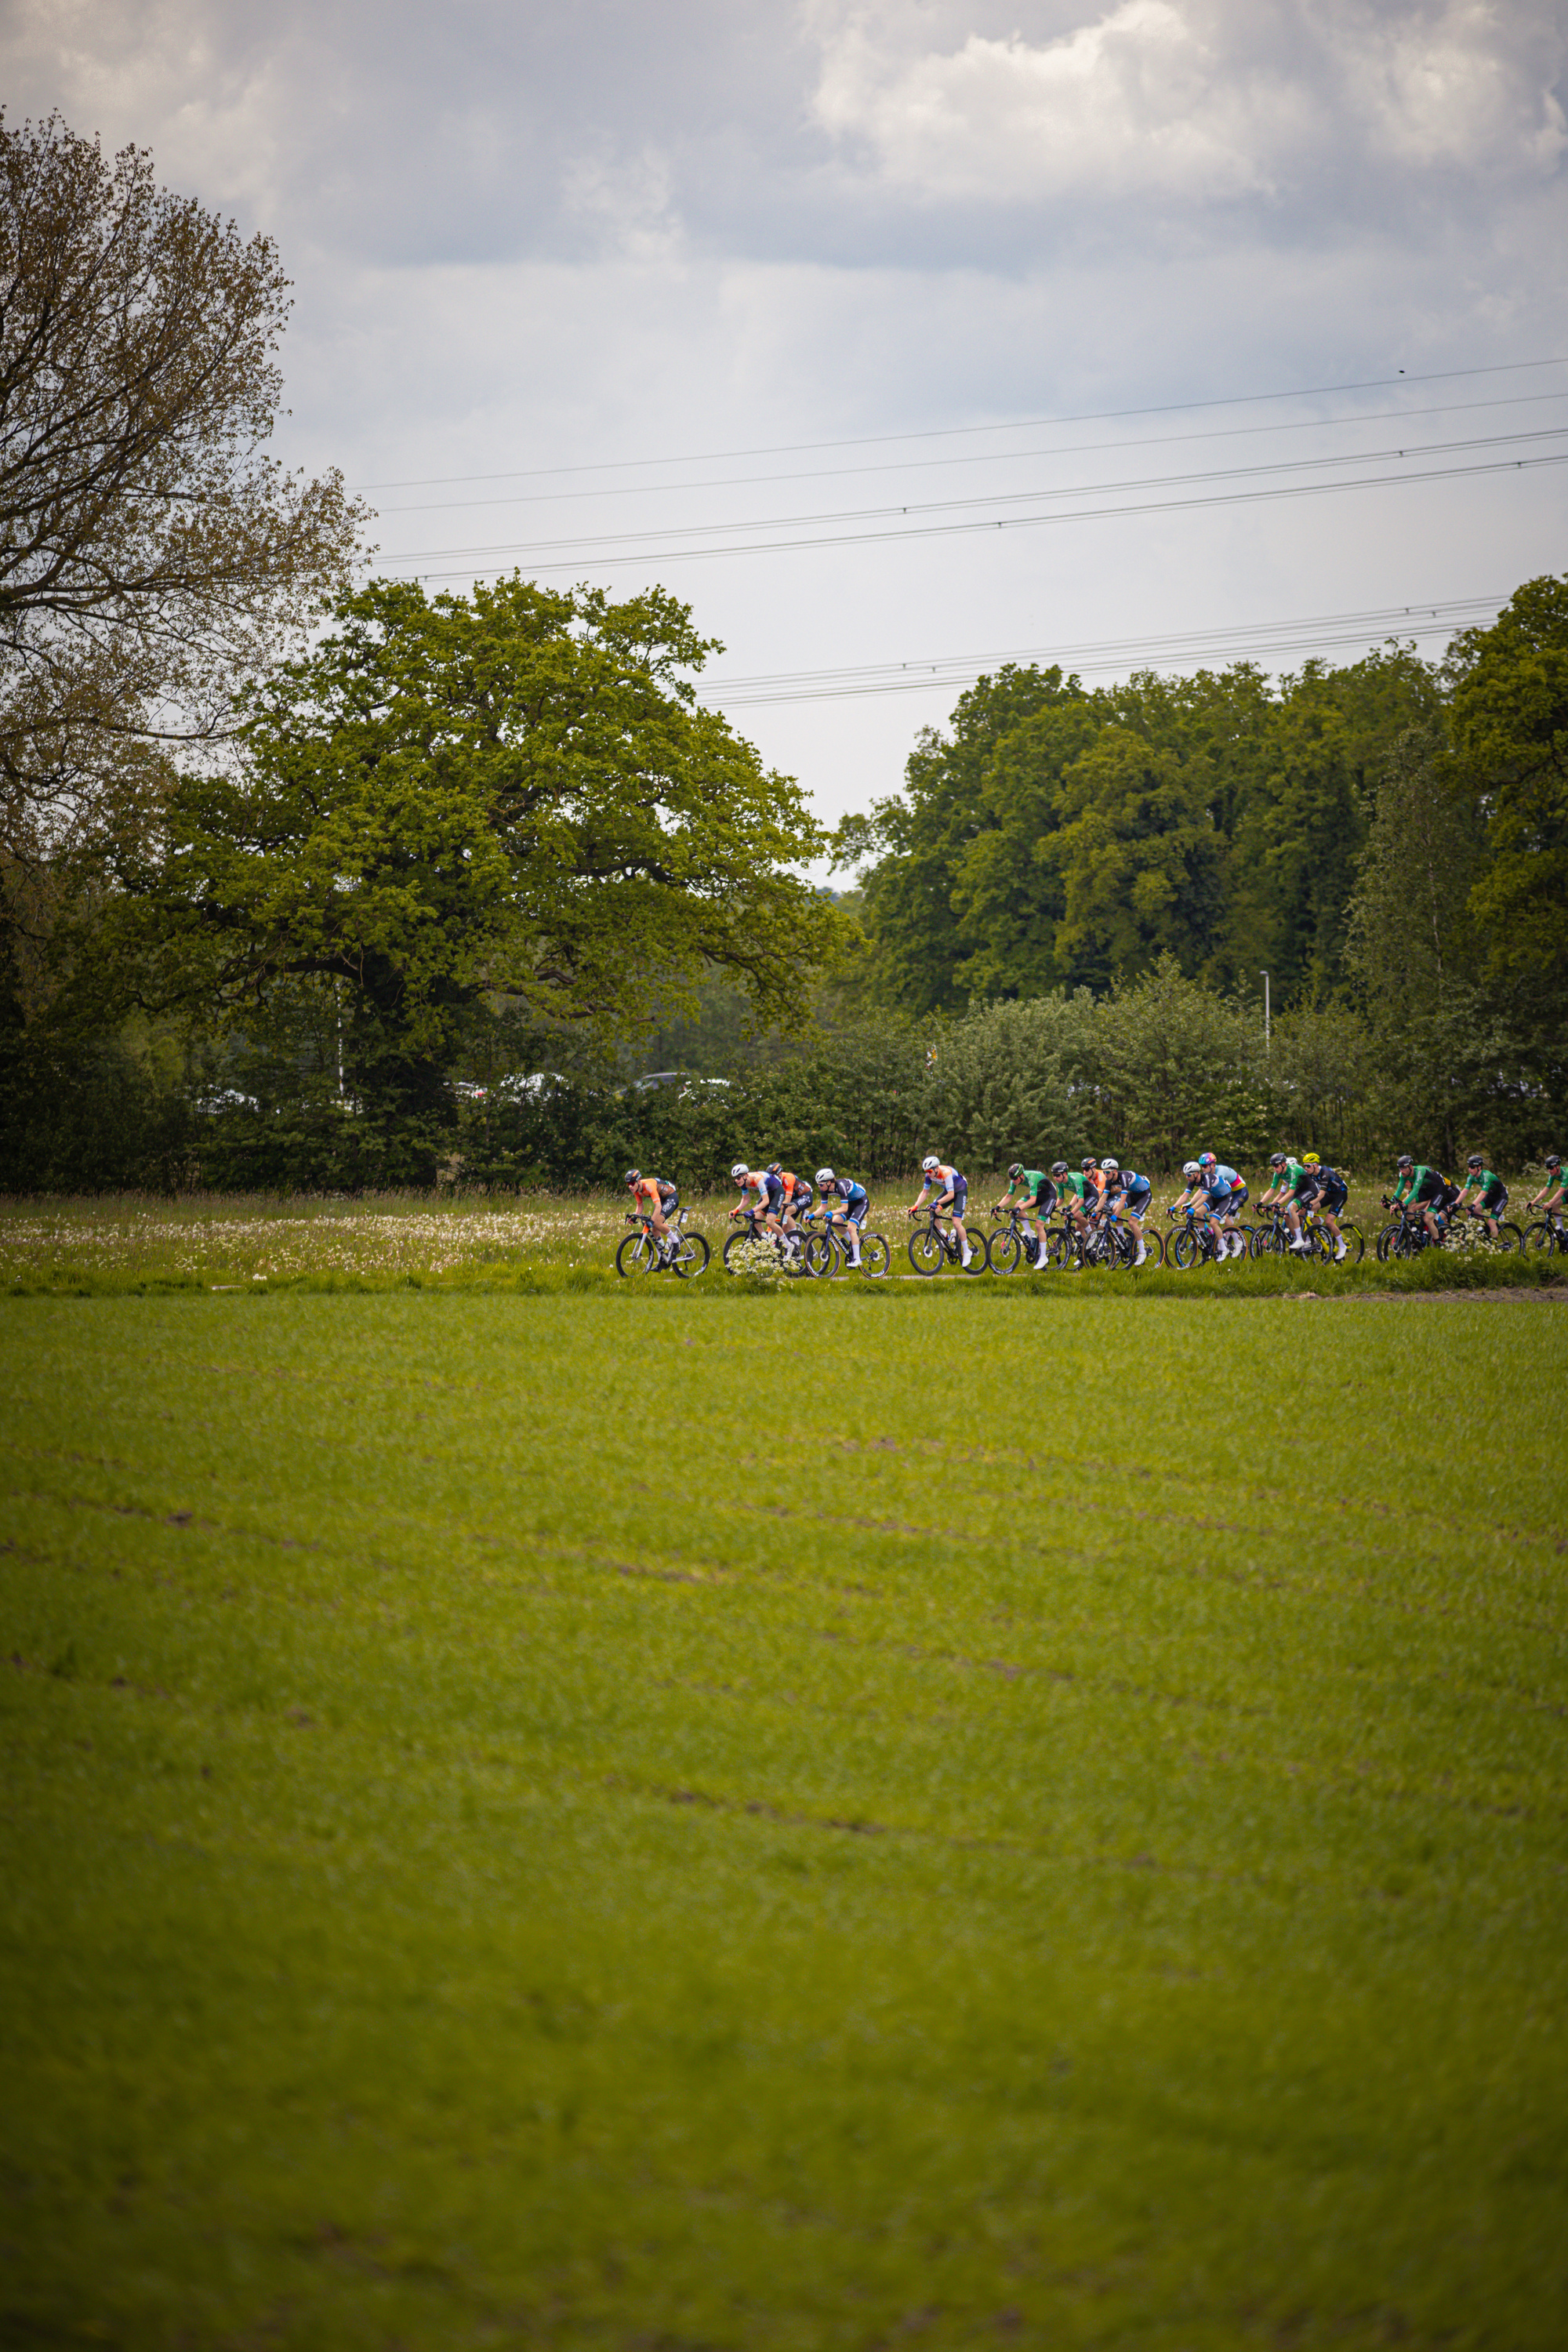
(602, 234)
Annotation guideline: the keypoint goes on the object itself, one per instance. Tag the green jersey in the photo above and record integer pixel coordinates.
(1031, 1180)
(1411, 1182)
(1480, 1179)
(1075, 1183)
(1301, 1178)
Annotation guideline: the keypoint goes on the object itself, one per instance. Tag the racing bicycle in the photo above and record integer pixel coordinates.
(787, 1251)
(827, 1251)
(640, 1253)
(933, 1245)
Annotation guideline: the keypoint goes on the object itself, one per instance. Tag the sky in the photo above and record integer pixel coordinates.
(901, 338)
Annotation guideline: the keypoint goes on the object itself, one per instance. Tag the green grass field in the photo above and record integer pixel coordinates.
(661, 1819)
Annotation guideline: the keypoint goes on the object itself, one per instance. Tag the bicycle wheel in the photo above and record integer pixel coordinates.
(691, 1256)
(1509, 1237)
(1121, 1247)
(1539, 1237)
(1006, 1253)
(1248, 1237)
(875, 1255)
(979, 1253)
(635, 1254)
(1354, 1240)
(1186, 1247)
(927, 1255)
(734, 1262)
(820, 1255)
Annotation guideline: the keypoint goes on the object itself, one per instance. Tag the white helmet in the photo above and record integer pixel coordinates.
(826, 1176)
(1192, 1169)
(1110, 1167)
(929, 1164)
(738, 1171)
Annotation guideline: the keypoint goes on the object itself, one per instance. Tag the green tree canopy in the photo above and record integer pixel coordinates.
(1060, 835)
(1510, 722)
(513, 793)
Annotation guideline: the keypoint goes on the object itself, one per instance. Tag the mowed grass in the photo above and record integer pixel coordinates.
(628, 1820)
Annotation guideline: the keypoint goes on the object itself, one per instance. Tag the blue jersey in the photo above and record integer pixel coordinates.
(848, 1193)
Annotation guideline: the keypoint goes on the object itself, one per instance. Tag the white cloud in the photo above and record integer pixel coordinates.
(1195, 99)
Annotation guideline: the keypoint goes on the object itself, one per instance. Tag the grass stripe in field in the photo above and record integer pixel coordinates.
(532, 1820)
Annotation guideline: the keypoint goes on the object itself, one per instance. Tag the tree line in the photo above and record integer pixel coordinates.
(310, 883)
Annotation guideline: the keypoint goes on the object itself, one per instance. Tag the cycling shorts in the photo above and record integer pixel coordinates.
(1135, 1200)
(854, 1210)
(1221, 1202)
(1494, 1200)
(1045, 1198)
(1333, 1196)
(959, 1189)
(1430, 1191)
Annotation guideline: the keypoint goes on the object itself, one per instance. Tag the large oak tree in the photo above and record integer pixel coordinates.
(453, 800)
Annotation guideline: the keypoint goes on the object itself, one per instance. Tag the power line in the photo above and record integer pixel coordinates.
(629, 546)
(955, 431)
(984, 458)
(1314, 632)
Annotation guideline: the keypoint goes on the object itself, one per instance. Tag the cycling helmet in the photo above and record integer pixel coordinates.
(1059, 1168)
(739, 1171)
(1207, 1160)
(929, 1164)
(1278, 1159)
(1086, 1163)
(632, 1176)
(1311, 1160)
(1191, 1169)
(1110, 1167)
(776, 1168)
(1016, 1171)
(1554, 1160)
(1475, 1160)
(826, 1176)
(1404, 1160)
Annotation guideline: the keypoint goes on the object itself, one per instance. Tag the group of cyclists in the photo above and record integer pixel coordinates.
(776, 1201)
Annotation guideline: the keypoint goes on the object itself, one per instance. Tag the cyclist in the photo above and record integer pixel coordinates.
(1035, 1189)
(949, 1192)
(1426, 1188)
(1555, 1182)
(845, 1204)
(1332, 1193)
(1225, 1197)
(1490, 1191)
(761, 1193)
(1074, 1194)
(1191, 1186)
(1126, 1194)
(795, 1196)
(658, 1200)
(1291, 1190)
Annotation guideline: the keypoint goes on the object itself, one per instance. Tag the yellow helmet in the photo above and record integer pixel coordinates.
(1310, 1159)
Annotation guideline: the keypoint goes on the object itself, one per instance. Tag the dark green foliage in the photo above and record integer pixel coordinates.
(1064, 835)
(859, 1098)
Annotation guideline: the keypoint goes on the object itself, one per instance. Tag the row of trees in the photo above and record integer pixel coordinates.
(285, 865)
